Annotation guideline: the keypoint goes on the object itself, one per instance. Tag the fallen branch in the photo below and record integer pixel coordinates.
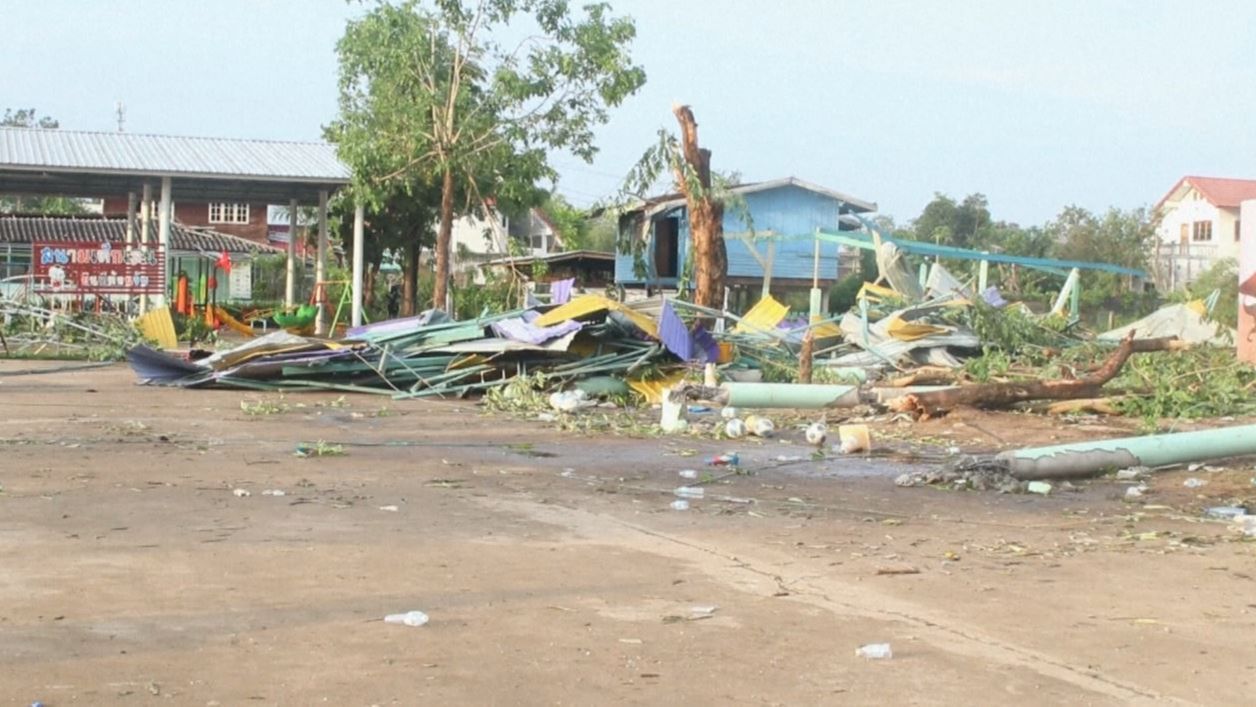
(1164, 343)
(1100, 406)
(998, 395)
(928, 375)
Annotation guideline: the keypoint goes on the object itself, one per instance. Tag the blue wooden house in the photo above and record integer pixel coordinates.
(783, 213)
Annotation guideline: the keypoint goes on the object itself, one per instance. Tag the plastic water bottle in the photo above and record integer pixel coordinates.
(690, 491)
(410, 618)
(680, 504)
(875, 651)
(724, 460)
(688, 473)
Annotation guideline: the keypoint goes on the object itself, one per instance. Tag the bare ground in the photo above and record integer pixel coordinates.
(555, 573)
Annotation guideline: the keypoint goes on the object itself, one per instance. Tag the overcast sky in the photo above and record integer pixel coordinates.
(1035, 104)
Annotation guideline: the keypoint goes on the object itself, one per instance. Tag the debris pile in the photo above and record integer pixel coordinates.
(31, 330)
(431, 355)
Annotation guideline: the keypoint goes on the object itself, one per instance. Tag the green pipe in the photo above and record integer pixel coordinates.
(790, 395)
(1082, 459)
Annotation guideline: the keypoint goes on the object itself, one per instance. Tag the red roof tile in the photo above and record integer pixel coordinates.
(1218, 191)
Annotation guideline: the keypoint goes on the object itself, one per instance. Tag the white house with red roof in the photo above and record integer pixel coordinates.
(1200, 224)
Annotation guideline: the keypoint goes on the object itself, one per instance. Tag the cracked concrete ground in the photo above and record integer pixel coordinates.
(554, 571)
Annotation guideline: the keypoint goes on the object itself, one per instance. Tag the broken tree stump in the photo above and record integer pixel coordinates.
(805, 356)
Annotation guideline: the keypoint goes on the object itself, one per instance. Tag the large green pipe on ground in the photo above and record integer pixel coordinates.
(1082, 459)
(790, 395)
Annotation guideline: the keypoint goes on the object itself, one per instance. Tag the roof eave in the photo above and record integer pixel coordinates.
(212, 176)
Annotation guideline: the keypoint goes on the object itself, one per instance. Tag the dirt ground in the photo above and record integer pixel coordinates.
(135, 569)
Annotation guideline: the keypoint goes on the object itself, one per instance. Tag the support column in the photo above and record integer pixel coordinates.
(163, 233)
(131, 202)
(146, 229)
(359, 217)
(320, 262)
(816, 301)
(983, 276)
(290, 282)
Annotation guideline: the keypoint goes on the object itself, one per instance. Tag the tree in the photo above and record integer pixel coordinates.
(690, 168)
(571, 225)
(401, 224)
(28, 118)
(1118, 238)
(946, 222)
(1223, 277)
(429, 97)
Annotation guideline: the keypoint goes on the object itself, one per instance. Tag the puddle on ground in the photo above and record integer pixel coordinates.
(626, 458)
(783, 461)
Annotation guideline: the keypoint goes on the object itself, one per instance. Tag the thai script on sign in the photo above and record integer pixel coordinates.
(105, 269)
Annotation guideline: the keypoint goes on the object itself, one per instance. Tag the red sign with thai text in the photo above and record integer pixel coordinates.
(106, 268)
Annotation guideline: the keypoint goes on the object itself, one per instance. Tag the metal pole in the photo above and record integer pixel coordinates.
(789, 395)
(815, 265)
(1081, 459)
(290, 282)
(131, 202)
(146, 229)
(320, 262)
(163, 235)
(815, 300)
(983, 275)
(768, 267)
(359, 216)
(146, 214)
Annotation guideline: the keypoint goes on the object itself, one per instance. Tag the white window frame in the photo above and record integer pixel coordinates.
(232, 213)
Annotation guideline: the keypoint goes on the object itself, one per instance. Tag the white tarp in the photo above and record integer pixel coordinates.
(1181, 320)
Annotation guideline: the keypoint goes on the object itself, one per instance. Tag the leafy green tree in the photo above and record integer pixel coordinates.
(603, 232)
(58, 205)
(946, 222)
(1223, 277)
(428, 96)
(1118, 237)
(571, 224)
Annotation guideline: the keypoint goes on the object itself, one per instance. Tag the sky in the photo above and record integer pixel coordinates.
(1037, 105)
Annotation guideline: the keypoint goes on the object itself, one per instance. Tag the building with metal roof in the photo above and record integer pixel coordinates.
(80, 163)
(655, 240)
(99, 164)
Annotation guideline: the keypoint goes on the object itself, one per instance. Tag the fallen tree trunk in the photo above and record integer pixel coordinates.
(997, 395)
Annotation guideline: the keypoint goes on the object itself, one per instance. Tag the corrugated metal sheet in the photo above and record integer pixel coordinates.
(78, 151)
(28, 229)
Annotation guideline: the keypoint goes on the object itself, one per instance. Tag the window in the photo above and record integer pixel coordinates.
(1201, 231)
(540, 241)
(1184, 233)
(228, 213)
